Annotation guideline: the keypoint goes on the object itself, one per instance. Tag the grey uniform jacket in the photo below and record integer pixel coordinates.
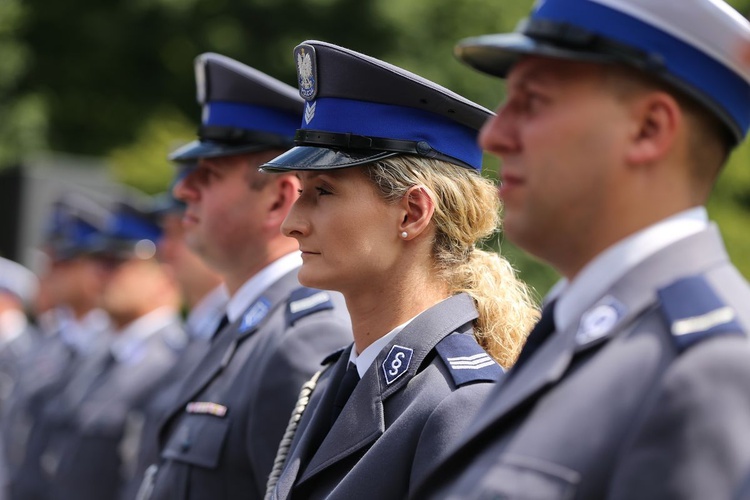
(416, 397)
(653, 403)
(91, 450)
(221, 437)
(44, 374)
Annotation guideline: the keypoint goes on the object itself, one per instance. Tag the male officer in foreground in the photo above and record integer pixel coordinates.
(221, 437)
(635, 384)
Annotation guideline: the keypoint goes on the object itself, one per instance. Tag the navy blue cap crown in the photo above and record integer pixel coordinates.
(244, 110)
(359, 109)
(132, 231)
(75, 224)
(692, 44)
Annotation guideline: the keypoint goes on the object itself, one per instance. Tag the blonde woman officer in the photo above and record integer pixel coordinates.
(392, 206)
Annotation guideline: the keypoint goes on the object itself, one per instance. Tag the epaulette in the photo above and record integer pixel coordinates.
(333, 357)
(304, 301)
(467, 362)
(694, 312)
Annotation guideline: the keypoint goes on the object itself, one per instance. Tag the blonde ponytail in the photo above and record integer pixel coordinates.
(467, 211)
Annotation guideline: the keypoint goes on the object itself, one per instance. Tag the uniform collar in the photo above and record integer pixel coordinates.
(598, 276)
(81, 334)
(127, 340)
(255, 286)
(367, 357)
(203, 319)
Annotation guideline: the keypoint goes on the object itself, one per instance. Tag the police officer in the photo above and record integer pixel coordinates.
(96, 419)
(204, 296)
(634, 384)
(18, 288)
(391, 210)
(220, 437)
(73, 325)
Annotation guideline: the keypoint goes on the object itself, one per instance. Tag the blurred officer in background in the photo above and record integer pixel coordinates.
(392, 207)
(96, 421)
(18, 288)
(73, 327)
(221, 436)
(635, 384)
(204, 297)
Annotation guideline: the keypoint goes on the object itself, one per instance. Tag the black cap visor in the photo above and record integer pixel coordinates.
(317, 158)
(496, 54)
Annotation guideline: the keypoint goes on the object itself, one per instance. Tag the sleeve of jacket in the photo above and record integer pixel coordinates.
(693, 441)
(444, 426)
(295, 358)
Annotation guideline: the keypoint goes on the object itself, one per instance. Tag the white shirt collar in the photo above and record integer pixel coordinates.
(127, 341)
(203, 319)
(609, 266)
(255, 286)
(82, 334)
(367, 357)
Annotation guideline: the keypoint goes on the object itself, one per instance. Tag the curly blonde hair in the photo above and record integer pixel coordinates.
(467, 211)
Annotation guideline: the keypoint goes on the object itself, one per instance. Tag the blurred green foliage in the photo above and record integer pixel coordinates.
(114, 78)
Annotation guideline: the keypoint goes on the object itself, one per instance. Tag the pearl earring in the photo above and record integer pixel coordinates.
(404, 234)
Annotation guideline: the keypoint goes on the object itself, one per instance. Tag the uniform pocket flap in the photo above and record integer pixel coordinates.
(198, 440)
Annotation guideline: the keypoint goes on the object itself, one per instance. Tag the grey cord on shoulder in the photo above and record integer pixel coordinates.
(291, 429)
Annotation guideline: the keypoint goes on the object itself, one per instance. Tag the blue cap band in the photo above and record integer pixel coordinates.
(345, 116)
(131, 227)
(710, 77)
(250, 117)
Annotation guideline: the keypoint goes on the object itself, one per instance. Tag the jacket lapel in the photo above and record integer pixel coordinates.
(225, 345)
(361, 421)
(632, 294)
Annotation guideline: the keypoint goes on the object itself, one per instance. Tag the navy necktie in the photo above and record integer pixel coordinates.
(224, 322)
(541, 332)
(346, 387)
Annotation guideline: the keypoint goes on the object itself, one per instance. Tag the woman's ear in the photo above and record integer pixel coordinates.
(418, 208)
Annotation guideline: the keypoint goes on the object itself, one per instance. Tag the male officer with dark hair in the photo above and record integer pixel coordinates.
(635, 384)
(221, 437)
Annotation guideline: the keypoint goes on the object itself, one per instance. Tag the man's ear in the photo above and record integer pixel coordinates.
(658, 120)
(418, 207)
(285, 193)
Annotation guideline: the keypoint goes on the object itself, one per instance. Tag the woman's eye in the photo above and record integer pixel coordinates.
(322, 191)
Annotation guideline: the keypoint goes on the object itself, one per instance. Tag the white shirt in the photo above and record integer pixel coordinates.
(367, 357)
(202, 320)
(82, 335)
(255, 286)
(573, 298)
(127, 341)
